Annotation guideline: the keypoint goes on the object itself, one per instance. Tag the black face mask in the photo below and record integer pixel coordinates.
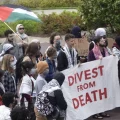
(101, 45)
(37, 56)
(11, 41)
(58, 45)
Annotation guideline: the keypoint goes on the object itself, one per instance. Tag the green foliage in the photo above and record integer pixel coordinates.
(48, 3)
(60, 23)
(3, 27)
(50, 23)
(101, 13)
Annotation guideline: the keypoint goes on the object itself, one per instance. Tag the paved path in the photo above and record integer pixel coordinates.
(114, 115)
(43, 40)
(58, 11)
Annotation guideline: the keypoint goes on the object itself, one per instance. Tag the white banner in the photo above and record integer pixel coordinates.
(91, 88)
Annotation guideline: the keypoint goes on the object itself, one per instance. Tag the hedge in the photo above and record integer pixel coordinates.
(48, 3)
(50, 23)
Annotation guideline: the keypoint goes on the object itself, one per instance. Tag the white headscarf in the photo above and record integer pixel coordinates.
(100, 32)
(6, 47)
(23, 36)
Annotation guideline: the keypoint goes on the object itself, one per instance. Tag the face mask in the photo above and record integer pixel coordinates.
(54, 57)
(13, 64)
(33, 71)
(58, 44)
(37, 56)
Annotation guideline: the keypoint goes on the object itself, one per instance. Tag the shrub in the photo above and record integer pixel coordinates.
(50, 23)
(48, 3)
(60, 23)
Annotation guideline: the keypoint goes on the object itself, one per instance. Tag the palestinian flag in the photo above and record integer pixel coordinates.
(12, 13)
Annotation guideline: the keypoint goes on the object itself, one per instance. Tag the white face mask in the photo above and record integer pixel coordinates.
(33, 71)
(13, 64)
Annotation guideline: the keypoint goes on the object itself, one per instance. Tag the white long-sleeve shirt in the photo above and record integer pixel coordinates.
(5, 113)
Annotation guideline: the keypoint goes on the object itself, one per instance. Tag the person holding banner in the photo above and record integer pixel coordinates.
(116, 51)
(100, 32)
(98, 52)
(116, 47)
(67, 57)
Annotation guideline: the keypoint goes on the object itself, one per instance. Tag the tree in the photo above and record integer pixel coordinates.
(101, 13)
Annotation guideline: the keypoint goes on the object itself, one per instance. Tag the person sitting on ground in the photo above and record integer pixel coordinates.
(5, 109)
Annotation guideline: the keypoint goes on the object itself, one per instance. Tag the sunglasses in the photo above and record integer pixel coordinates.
(104, 37)
(21, 28)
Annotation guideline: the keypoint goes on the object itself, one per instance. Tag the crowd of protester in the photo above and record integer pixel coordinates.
(30, 83)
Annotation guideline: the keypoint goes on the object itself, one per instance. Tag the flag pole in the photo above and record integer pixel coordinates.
(9, 27)
(12, 30)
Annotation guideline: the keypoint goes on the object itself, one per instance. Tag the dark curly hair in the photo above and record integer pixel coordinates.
(8, 98)
(19, 113)
(7, 32)
(53, 36)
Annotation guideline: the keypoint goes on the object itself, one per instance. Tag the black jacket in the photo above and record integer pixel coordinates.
(58, 100)
(62, 62)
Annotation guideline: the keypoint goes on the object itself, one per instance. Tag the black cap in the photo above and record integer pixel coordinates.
(60, 77)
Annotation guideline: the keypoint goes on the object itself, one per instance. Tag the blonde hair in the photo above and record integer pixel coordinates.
(6, 62)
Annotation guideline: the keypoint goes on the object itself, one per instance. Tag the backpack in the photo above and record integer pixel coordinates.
(43, 104)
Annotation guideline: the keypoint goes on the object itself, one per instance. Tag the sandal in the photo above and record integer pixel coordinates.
(104, 114)
(97, 116)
